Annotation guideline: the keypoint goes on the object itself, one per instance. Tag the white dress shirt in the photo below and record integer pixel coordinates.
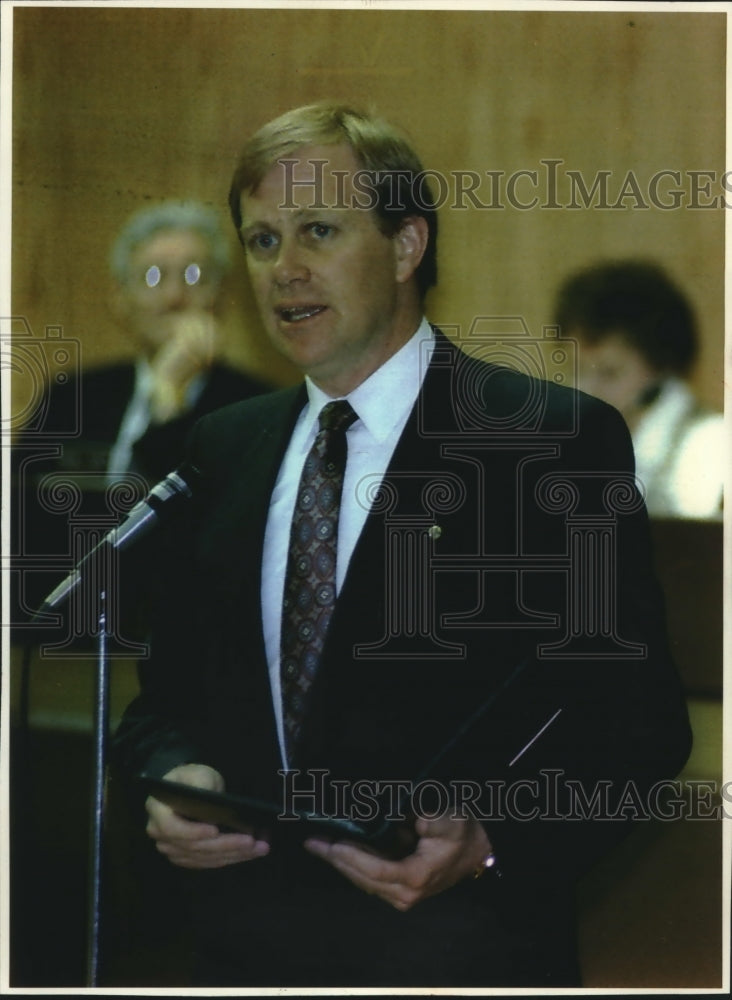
(134, 422)
(382, 403)
(681, 454)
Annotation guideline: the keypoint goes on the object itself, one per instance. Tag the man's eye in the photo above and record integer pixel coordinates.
(320, 230)
(261, 242)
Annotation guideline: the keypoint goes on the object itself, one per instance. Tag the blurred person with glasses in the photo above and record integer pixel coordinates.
(168, 264)
(130, 417)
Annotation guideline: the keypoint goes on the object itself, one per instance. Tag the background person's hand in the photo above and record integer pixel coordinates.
(188, 350)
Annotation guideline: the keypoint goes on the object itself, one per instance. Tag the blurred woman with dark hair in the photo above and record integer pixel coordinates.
(637, 343)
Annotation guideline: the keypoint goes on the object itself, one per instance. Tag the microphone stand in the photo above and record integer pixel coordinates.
(101, 564)
(100, 729)
(105, 564)
(98, 563)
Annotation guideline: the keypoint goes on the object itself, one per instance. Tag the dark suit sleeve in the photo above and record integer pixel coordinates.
(623, 726)
(204, 690)
(161, 728)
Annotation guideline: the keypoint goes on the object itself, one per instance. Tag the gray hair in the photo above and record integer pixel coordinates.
(188, 215)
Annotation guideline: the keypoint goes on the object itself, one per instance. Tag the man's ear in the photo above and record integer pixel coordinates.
(410, 241)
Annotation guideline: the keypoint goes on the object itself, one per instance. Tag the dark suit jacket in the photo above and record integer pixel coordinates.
(84, 416)
(446, 656)
(69, 437)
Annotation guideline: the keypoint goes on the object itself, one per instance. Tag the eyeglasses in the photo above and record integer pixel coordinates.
(193, 276)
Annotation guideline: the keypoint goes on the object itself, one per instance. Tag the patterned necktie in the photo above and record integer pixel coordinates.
(310, 581)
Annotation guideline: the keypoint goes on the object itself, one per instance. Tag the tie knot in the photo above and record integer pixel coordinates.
(336, 416)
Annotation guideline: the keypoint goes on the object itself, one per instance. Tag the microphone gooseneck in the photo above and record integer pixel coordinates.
(161, 502)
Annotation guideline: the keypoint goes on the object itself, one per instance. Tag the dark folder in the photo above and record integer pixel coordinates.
(527, 721)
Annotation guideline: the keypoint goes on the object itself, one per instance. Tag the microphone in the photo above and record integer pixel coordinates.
(162, 501)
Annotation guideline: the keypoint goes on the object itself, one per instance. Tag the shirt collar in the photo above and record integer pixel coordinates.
(399, 380)
(143, 377)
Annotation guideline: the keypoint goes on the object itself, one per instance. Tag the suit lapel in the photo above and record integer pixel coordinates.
(417, 459)
(242, 465)
(235, 507)
(237, 503)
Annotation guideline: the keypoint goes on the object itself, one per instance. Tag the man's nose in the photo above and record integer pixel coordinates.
(291, 264)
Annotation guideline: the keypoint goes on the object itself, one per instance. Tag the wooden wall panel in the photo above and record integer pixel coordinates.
(116, 106)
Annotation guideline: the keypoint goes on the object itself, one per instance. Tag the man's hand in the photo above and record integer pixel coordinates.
(189, 348)
(447, 851)
(191, 844)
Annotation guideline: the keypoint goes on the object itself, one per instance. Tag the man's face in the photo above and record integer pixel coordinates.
(615, 371)
(170, 274)
(334, 292)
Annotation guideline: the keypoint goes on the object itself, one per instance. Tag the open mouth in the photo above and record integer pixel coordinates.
(296, 314)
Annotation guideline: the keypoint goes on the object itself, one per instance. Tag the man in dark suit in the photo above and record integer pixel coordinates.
(493, 674)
